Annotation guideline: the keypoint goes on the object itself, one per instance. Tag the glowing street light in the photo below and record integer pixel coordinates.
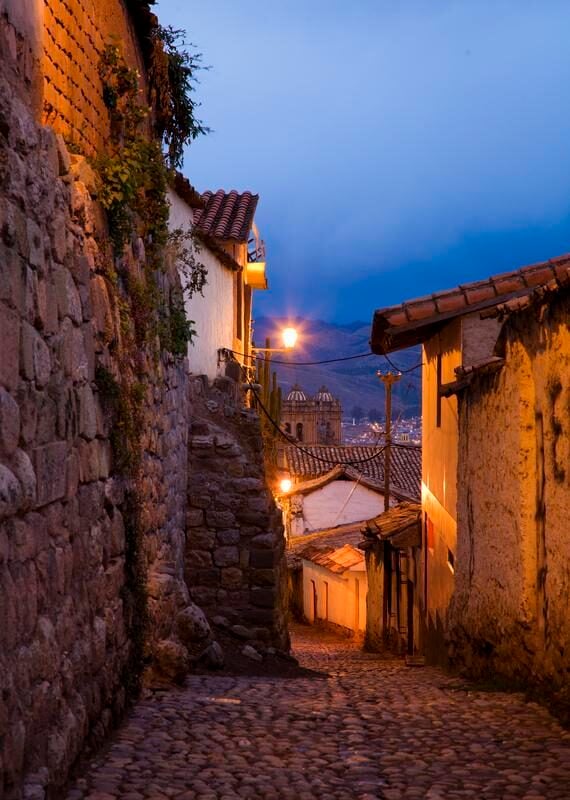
(285, 485)
(290, 337)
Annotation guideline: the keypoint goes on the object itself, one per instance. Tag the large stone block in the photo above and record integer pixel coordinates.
(201, 539)
(22, 468)
(68, 300)
(171, 660)
(10, 339)
(194, 517)
(87, 412)
(10, 492)
(36, 244)
(9, 422)
(232, 578)
(220, 519)
(192, 625)
(264, 598)
(50, 467)
(36, 359)
(231, 536)
(226, 556)
(101, 304)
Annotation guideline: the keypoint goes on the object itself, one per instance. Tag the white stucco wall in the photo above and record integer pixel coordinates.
(213, 313)
(346, 596)
(323, 508)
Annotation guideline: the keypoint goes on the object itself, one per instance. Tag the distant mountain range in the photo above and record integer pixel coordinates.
(354, 382)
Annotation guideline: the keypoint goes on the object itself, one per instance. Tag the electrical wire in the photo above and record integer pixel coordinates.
(307, 363)
(349, 463)
(397, 369)
(283, 363)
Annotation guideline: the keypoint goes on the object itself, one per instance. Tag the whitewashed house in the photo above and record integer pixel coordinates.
(334, 485)
(226, 242)
(337, 497)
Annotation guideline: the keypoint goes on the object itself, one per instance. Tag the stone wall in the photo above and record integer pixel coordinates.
(509, 614)
(93, 595)
(235, 565)
(68, 620)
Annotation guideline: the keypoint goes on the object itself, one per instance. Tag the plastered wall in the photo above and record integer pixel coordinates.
(341, 599)
(213, 310)
(339, 502)
(511, 613)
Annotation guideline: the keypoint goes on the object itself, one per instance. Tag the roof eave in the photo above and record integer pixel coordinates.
(386, 338)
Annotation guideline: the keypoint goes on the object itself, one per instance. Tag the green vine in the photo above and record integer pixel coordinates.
(134, 176)
(173, 80)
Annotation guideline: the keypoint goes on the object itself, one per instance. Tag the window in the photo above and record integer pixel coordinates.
(287, 427)
(299, 431)
(438, 398)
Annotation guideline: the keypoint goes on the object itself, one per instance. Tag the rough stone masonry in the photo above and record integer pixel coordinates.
(67, 623)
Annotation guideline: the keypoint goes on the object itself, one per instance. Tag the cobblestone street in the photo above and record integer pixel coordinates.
(365, 727)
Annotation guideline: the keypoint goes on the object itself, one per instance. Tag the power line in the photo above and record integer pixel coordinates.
(308, 363)
(283, 363)
(401, 371)
(350, 463)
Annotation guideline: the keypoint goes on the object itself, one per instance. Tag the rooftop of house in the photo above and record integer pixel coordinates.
(400, 525)
(337, 560)
(314, 461)
(414, 321)
(340, 472)
(226, 216)
(334, 548)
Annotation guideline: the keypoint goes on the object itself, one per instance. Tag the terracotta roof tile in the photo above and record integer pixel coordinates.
(316, 460)
(414, 321)
(447, 301)
(478, 292)
(398, 317)
(509, 282)
(538, 275)
(337, 560)
(227, 215)
(421, 310)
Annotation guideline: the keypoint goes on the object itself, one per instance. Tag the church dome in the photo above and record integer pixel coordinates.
(297, 394)
(324, 396)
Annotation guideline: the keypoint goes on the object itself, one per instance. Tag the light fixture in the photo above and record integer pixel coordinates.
(285, 485)
(289, 336)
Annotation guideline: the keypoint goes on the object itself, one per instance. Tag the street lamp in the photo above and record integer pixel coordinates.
(289, 337)
(285, 485)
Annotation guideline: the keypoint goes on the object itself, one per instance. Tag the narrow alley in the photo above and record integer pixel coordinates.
(360, 726)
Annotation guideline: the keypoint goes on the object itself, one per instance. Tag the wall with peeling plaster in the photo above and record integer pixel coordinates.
(510, 612)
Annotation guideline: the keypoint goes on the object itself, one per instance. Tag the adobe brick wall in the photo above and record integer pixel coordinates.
(509, 614)
(75, 34)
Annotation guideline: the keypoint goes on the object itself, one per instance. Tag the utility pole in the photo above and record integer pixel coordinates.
(388, 379)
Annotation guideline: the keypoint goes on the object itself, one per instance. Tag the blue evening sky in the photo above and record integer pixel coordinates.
(398, 146)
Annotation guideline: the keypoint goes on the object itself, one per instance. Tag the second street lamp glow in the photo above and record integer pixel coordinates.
(289, 338)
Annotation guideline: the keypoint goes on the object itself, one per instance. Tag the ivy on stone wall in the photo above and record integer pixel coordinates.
(172, 66)
(147, 260)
